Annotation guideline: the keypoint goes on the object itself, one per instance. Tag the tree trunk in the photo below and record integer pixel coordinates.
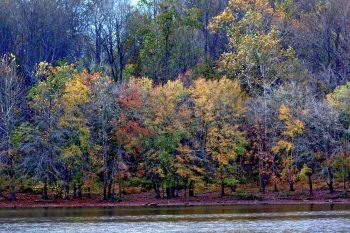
(105, 185)
(105, 165)
(98, 46)
(88, 192)
(66, 195)
(310, 185)
(330, 186)
(172, 190)
(156, 189)
(291, 186)
(344, 181)
(113, 192)
(74, 191)
(330, 183)
(168, 192)
(260, 179)
(80, 192)
(191, 188)
(44, 194)
(167, 55)
(275, 187)
(110, 188)
(120, 189)
(233, 188)
(222, 188)
(120, 56)
(263, 186)
(206, 36)
(12, 196)
(185, 187)
(177, 188)
(344, 184)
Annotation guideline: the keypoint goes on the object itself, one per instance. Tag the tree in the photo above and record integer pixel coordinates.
(340, 98)
(218, 107)
(130, 127)
(166, 117)
(322, 137)
(102, 110)
(318, 34)
(43, 150)
(11, 91)
(265, 131)
(188, 166)
(76, 133)
(261, 120)
(292, 129)
(341, 163)
(39, 30)
(224, 144)
(256, 55)
(306, 172)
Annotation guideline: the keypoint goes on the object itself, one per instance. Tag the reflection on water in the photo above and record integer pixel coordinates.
(259, 218)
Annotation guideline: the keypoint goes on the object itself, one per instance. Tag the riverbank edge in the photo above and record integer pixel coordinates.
(109, 204)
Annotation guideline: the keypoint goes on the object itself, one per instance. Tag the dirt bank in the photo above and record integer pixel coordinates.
(202, 199)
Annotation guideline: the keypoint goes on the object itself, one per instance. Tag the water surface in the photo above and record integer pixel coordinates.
(258, 218)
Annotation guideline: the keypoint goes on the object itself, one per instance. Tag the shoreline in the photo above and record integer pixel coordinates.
(135, 201)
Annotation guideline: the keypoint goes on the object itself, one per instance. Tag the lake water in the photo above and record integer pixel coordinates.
(258, 218)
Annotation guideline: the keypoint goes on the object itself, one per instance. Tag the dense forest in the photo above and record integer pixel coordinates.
(170, 95)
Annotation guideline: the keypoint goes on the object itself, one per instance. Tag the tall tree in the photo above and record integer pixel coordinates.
(219, 106)
(75, 131)
(256, 55)
(102, 110)
(43, 149)
(11, 91)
